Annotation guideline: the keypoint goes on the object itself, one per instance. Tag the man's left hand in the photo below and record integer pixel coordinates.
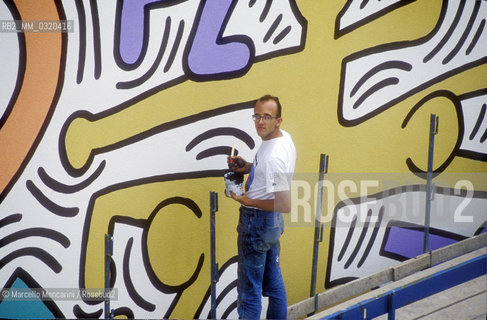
(241, 199)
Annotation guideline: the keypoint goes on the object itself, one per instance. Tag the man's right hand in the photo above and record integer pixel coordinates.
(237, 164)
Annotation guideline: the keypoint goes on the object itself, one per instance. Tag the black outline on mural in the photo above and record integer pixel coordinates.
(482, 228)
(146, 76)
(137, 137)
(145, 225)
(164, 44)
(221, 295)
(378, 196)
(225, 150)
(191, 205)
(175, 47)
(96, 38)
(220, 40)
(478, 123)
(55, 99)
(359, 23)
(393, 64)
(476, 37)
(38, 253)
(230, 308)
(347, 239)
(36, 232)
(393, 46)
(456, 151)
(124, 311)
(169, 177)
(78, 172)
(93, 117)
(415, 227)
(265, 11)
(291, 50)
(459, 115)
(129, 284)
(466, 153)
(64, 188)
(25, 277)
(361, 238)
(462, 39)
(372, 237)
(80, 9)
(81, 314)
(125, 185)
(145, 38)
(21, 67)
(48, 204)
(161, 178)
(13, 218)
(273, 28)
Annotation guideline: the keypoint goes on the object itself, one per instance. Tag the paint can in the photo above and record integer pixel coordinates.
(234, 183)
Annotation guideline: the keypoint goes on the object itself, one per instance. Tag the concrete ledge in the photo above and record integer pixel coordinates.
(459, 248)
(301, 308)
(401, 283)
(353, 288)
(411, 266)
(363, 285)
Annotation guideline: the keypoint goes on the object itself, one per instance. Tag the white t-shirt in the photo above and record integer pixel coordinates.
(272, 168)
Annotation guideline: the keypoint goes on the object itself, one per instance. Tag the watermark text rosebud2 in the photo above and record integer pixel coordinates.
(366, 198)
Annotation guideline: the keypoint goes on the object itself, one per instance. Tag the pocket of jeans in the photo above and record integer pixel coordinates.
(266, 238)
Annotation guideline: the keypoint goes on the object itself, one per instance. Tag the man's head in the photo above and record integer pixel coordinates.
(267, 117)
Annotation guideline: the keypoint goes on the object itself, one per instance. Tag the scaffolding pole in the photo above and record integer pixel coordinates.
(429, 186)
(214, 265)
(318, 230)
(108, 258)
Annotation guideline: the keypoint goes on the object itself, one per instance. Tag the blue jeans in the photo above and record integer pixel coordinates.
(259, 271)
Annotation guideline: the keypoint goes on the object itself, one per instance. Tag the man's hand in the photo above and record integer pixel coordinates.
(238, 164)
(243, 199)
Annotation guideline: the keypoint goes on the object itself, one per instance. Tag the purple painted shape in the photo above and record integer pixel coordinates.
(132, 29)
(483, 230)
(206, 56)
(409, 243)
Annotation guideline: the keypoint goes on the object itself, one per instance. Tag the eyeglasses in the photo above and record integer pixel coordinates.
(265, 117)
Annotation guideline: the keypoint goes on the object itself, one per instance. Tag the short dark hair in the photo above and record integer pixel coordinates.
(268, 97)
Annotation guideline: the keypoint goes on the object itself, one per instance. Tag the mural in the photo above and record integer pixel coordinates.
(120, 121)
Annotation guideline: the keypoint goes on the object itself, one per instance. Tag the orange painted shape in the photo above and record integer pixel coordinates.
(43, 56)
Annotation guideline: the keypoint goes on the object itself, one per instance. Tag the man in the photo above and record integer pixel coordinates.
(261, 224)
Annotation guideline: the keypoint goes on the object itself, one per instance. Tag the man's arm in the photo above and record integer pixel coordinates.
(281, 202)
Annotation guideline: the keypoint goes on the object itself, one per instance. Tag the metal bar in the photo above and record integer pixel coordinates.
(432, 133)
(108, 257)
(391, 307)
(424, 288)
(340, 293)
(318, 235)
(214, 265)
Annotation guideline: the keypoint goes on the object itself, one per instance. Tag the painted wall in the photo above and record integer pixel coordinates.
(122, 125)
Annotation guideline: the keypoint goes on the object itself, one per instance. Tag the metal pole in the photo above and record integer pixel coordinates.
(214, 265)
(433, 131)
(108, 257)
(318, 236)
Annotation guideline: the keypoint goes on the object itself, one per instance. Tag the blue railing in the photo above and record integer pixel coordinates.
(399, 297)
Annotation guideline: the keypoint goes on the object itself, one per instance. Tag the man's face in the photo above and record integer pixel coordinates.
(267, 129)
